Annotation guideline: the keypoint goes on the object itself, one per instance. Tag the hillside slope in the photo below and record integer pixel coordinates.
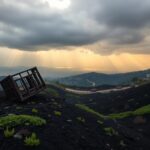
(69, 127)
(96, 79)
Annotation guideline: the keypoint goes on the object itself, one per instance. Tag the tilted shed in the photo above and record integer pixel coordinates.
(23, 85)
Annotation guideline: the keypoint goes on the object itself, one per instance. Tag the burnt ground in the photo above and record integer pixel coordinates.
(66, 132)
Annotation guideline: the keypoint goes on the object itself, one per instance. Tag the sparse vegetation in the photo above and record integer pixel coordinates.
(110, 131)
(9, 132)
(57, 113)
(14, 120)
(18, 108)
(143, 110)
(140, 81)
(92, 121)
(87, 109)
(81, 119)
(140, 111)
(100, 122)
(121, 115)
(122, 143)
(33, 102)
(34, 110)
(55, 103)
(32, 140)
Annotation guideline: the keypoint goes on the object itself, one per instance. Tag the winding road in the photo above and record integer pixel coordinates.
(86, 92)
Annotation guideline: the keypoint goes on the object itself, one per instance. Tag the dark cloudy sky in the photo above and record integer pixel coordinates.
(89, 34)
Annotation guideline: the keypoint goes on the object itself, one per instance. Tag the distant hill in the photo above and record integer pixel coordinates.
(47, 73)
(97, 79)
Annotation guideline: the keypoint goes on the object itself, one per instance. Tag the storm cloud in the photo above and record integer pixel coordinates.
(34, 25)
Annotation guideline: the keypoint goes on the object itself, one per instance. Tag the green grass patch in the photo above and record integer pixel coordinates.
(110, 131)
(140, 111)
(34, 110)
(57, 113)
(120, 115)
(32, 140)
(143, 110)
(15, 120)
(81, 119)
(9, 132)
(89, 110)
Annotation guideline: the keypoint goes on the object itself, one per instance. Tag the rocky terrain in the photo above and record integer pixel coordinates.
(113, 121)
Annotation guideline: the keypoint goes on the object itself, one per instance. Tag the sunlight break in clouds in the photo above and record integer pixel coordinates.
(58, 4)
(93, 35)
(77, 59)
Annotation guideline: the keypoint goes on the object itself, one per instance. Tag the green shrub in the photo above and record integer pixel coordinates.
(81, 119)
(110, 131)
(34, 110)
(9, 132)
(15, 120)
(32, 140)
(57, 113)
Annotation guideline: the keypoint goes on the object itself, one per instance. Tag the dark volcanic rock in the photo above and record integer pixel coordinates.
(67, 132)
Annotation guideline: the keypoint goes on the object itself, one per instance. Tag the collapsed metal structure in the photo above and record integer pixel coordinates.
(23, 85)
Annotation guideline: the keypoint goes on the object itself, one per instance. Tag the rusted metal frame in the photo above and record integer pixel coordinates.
(17, 80)
(36, 76)
(37, 79)
(27, 89)
(40, 76)
(23, 71)
(20, 82)
(22, 85)
(6, 86)
(30, 82)
(32, 94)
(22, 77)
(16, 88)
(35, 85)
(12, 88)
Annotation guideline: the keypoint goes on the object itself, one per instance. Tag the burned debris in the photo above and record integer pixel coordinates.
(23, 85)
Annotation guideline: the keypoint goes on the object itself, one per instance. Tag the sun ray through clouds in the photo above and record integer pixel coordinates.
(78, 59)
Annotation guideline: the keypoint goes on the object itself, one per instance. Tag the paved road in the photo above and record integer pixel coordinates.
(86, 92)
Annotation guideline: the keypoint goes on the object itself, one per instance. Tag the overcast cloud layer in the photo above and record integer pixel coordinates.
(104, 26)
